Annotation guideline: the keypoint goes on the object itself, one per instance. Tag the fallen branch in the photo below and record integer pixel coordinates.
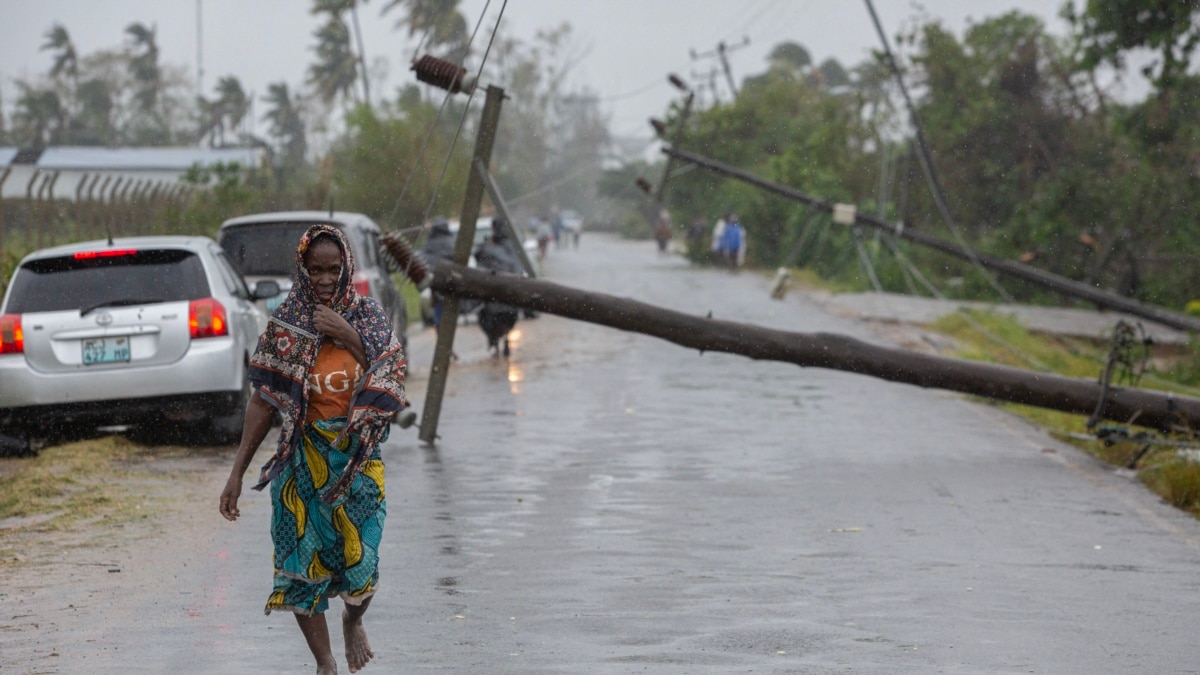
(1158, 410)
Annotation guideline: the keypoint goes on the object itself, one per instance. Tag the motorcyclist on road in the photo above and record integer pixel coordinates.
(440, 245)
(497, 319)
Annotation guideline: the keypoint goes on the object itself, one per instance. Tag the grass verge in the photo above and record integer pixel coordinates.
(1172, 474)
(93, 482)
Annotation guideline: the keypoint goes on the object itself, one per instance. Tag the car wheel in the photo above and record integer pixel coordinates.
(227, 429)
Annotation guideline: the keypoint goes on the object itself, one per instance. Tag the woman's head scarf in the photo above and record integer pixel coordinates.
(287, 350)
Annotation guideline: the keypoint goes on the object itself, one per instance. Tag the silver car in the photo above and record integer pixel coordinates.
(150, 331)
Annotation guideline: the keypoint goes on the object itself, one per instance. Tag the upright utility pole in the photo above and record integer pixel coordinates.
(200, 46)
(721, 52)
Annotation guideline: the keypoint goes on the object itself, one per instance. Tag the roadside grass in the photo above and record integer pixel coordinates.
(998, 338)
(412, 298)
(84, 482)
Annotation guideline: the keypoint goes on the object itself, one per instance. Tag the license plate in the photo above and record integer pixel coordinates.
(105, 350)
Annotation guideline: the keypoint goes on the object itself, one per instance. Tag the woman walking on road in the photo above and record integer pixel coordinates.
(330, 364)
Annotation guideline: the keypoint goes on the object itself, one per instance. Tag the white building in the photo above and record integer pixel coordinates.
(102, 174)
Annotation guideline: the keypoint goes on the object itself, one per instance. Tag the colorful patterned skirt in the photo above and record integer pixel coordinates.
(323, 550)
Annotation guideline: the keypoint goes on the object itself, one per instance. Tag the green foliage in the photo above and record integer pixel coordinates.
(376, 164)
(1107, 30)
(223, 191)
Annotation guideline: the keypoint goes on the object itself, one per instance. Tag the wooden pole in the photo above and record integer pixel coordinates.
(1152, 409)
(462, 252)
(510, 228)
(1100, 297)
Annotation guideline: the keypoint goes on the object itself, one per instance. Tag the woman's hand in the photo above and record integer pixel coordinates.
(229, 499)
(332, 324)
(335, 326)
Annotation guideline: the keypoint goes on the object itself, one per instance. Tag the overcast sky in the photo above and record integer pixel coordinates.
(631, 45)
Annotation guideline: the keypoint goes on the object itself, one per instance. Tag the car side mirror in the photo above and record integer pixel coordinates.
(265, 289)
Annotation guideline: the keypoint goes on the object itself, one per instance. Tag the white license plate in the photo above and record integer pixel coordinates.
(105, 350)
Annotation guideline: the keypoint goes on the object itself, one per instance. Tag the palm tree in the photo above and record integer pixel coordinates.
(226, 111)
(144, 66)
(286, 123)
(233, 100)
(93, 123)
(336, 68)
(334, 9)
(66, 60)
(439, 21)
(39, 118)
(287, 126)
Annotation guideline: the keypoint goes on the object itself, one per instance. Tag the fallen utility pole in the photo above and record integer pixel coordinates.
(1152, 409)
(1102, 298)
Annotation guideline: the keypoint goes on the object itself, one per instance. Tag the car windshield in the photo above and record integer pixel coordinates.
(267, 249)
(80, 282)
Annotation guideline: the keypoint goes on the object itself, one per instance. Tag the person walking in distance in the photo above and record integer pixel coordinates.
(662, 231)
(717, 233)
(330, 365)
(733, 241)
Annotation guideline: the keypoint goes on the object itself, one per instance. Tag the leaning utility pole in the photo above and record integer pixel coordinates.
(850, 215)
(450, 76)
(1160, 410)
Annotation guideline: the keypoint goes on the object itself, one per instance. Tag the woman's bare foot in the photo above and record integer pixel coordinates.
(327, 670)
(358, 650)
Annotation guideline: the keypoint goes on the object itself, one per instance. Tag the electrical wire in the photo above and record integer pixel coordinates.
(466, 109)
(928, 168)
(429, 130)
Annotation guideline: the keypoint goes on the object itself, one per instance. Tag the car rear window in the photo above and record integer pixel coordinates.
(134, 277)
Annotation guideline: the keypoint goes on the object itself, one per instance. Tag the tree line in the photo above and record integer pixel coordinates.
(389, 151)
(1039, 159)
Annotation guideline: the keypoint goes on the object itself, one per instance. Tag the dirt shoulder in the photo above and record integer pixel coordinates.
(61, 570)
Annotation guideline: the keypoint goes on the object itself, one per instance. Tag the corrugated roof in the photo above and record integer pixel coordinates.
(137, 159)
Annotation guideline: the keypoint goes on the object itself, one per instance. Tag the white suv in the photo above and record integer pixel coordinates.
(152, 331)
(263, 246)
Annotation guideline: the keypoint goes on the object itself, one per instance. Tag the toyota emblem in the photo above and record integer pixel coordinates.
(104, 318)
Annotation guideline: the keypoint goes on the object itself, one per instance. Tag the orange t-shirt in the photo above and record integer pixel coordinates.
(331, 382)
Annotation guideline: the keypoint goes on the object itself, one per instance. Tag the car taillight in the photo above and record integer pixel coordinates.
(110, 253)
(12, 338)
(206, 318)
(362, 285)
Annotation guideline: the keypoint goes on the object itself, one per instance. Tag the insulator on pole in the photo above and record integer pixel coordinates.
(407, 261)
(443, 74)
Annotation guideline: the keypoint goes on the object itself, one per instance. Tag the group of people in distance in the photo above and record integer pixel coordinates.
(728, 238)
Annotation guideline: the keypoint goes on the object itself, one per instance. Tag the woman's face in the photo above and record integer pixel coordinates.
(323, 260)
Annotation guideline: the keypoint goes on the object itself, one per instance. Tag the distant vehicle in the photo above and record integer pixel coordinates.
(154, 331)
(263, 246)
(483, 231)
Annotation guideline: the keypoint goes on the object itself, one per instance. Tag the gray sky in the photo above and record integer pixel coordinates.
(631, 45)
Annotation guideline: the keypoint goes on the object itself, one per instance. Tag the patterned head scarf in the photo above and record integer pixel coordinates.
(287, 350)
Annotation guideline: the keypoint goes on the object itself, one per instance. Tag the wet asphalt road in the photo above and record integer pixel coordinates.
(606, 502)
